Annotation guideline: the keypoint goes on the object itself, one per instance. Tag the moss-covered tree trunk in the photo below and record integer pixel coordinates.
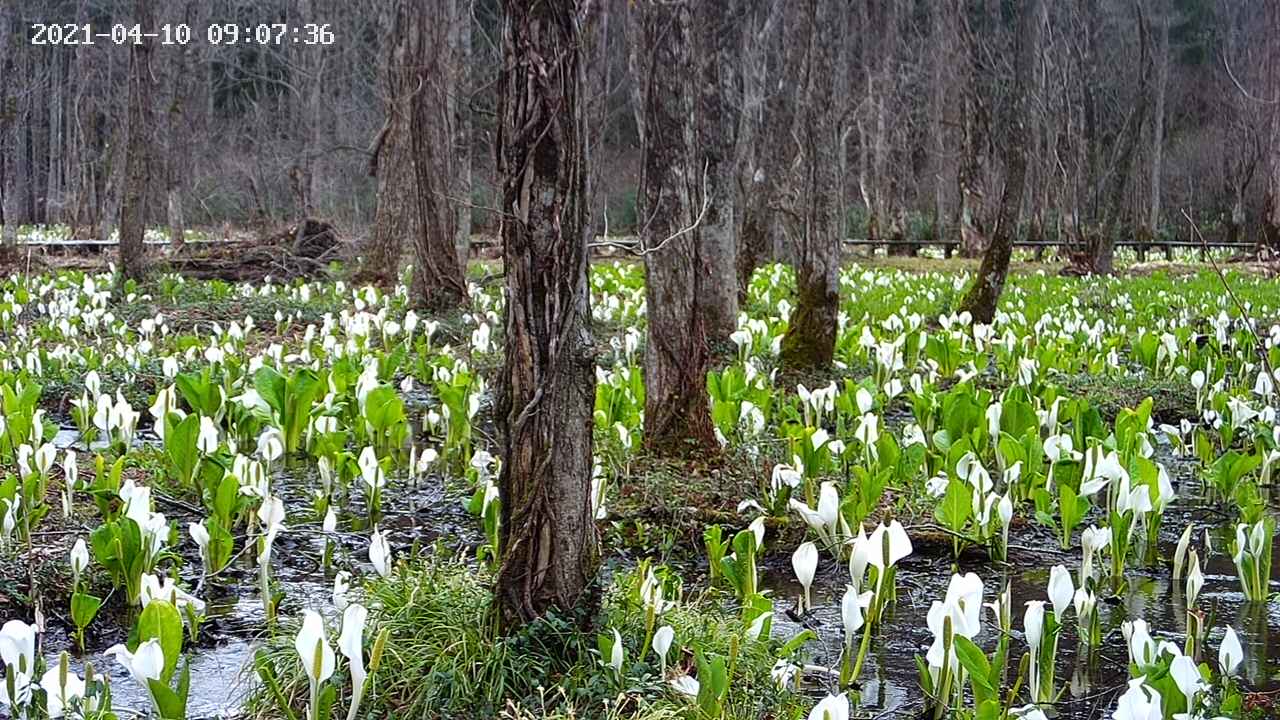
(547, 388)
(138, 138)
(813, 29)
(983, 296)
(677, 417)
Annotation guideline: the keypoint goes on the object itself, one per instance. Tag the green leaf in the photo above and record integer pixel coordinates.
(160, 620)
(325, 708)
(226, 498)
(713, 685)
(271, 386)
(221, 545)
(180, 446)
(796, 643)
(956, 506)
(84, 608)
(169, 703)
(975, 661)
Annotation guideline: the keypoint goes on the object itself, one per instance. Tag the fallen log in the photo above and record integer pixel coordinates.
(303, 250)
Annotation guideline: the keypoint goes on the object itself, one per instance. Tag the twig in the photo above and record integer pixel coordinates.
(1244, 314)
(1246, 93)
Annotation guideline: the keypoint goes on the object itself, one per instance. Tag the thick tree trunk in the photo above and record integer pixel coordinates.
(984, 294)
(716, 109)
(677, 417)
(547, 390)
(138, 138)
(413, 162)
(395, 217)
(813, 32)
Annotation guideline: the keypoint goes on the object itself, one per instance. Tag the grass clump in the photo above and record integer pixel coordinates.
(444, 657)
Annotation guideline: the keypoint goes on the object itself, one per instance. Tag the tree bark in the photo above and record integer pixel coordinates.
(1157, 125)
(677, 416)
(138, 138)
(547, 391)
(715, 44)
(460, 92)
(12, 125)
(758, 146)
(413, 161)
(1271, 143)
(813, 29)
(176, 122)
(984, 294)
(309, 66)
(395, 217)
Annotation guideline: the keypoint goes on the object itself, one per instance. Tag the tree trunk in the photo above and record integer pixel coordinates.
(176, 123)
(395, 217)
(813, 32)
(757, 145)
(460, 92)
(13, 124)
(1157, 125)
(413, 161)
(547, 390)
(717, 119)
(677, 417)
(138, 138)
(1271, 143)
(983, 296)
(309, 73)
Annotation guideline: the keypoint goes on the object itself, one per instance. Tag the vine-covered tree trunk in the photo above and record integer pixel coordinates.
(716, 41)
(677, 417)
(547, 390)
(984, 294)
(138, 137)
(813, 28)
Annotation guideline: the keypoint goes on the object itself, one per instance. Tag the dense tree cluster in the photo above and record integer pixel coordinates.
(1135, 108)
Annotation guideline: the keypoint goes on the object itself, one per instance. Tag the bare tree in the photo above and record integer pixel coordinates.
(981, 299)
(547, 389)
(813, 31)
(677, 417)
(138, 138)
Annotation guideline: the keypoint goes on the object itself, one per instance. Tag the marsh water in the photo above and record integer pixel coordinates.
(221, 661)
